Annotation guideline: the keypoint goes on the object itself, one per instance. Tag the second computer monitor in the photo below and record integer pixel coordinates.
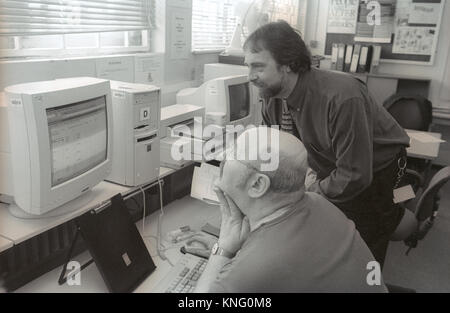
(230, 97)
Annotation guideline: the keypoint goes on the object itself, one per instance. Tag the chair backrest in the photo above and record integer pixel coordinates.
(410, 111)
(425, 204)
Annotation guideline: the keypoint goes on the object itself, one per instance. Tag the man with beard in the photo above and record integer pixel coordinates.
(354, 145)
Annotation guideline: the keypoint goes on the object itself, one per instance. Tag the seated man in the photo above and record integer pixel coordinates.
(274, 236)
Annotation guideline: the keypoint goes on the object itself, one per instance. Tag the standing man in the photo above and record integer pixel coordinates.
(354, 145)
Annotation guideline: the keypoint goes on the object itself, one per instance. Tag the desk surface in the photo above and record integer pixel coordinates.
(186, 211)
(18, 230)
(5, 244)
(423, 150)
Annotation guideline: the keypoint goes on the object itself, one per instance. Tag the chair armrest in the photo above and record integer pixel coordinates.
(419, 179)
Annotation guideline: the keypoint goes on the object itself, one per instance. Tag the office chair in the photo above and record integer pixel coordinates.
(410, 111)
(419, 217)
(416, 223)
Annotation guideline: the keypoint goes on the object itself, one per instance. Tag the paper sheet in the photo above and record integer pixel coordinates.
(203, 182)
(149, 69)
(414, 40)
(424, 137)
(403, 194)
(179, 48)
(424, 13)
(115, 68)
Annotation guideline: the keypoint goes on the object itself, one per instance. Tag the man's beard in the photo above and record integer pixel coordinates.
(269, 91)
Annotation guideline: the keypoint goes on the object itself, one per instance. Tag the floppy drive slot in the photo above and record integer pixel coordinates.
(146, 138)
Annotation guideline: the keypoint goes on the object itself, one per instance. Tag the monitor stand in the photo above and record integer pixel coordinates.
(64, 209)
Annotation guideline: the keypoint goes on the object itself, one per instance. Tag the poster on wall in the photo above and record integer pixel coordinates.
(416, 24)
(414, 40)
(418, 13)
(342, 16)
(375, 21)
(179, 48)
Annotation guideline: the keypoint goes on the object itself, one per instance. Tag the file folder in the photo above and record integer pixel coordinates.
(355, 58)
(375, 59)
(341, 56)
(334, 56)
(348, 58)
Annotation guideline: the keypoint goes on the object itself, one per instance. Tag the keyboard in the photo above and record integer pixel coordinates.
(183, 277)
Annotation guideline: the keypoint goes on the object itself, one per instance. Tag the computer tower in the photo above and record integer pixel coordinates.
(136, 141)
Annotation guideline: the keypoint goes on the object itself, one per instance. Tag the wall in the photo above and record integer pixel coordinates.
(177, 74)
(316, 24)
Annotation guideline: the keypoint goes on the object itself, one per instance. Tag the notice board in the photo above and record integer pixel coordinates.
(406, 30)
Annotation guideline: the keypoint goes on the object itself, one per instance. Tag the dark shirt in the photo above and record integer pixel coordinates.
(348, 135)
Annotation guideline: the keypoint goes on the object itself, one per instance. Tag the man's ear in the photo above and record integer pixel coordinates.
(259, 185)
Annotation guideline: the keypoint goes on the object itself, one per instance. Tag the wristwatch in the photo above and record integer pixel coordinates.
(216, 250)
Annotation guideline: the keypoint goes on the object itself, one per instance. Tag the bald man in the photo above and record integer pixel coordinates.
(274, 236)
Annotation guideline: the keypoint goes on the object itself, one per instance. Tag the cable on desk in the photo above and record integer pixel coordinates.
(158, 243)
(143, 210)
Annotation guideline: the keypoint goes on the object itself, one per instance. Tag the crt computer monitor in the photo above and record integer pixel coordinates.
(229, 95)
(59, 141)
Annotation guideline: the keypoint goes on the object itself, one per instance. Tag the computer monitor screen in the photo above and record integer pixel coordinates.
(239, 96)
(231, 96)
(60, 142)
(78, 138)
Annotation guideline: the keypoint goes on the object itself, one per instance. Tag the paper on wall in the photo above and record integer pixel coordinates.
(424, 13)
(115, 68)
(149, 69)
(414, 40)
(179, 48)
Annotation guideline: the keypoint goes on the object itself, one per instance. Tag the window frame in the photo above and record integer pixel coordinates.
(92, 47)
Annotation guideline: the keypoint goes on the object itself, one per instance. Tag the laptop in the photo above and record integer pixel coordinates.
(116, 246)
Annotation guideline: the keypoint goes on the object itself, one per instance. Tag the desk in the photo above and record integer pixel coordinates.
(18, 230)
(423, 150)
(5, 244)
(186, 211)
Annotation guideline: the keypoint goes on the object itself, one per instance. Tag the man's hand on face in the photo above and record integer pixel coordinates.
(235, 226)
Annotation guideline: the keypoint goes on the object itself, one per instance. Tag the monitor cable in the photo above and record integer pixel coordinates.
(159, 245)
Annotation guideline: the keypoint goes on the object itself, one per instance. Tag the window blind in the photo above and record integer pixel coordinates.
(213, 24)
(214, 21)
(42, 17)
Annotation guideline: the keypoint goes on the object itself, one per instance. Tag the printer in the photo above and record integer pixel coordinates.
(183, 133)
(136, 117)
(178, 133)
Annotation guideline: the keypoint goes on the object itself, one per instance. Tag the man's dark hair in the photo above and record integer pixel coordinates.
(283, 42)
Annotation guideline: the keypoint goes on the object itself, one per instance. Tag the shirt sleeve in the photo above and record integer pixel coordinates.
(350, 126)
